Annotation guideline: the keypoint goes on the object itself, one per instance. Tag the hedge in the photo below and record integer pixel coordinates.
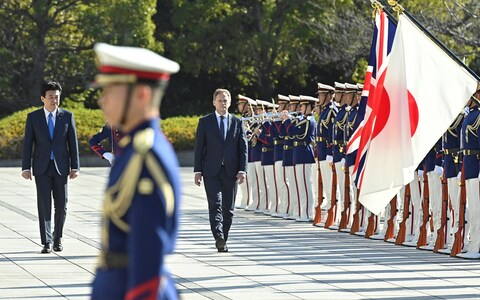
(179, 130)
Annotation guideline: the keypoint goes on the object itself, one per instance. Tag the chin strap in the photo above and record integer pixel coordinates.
(127, 104)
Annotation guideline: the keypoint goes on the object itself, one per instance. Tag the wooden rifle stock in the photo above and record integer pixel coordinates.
(356, 216)
(422, 237)
(458, 243)
(402, 230)
(346, 203)
(441, 233)
(333, 201)
(318, 210)
(390, 232)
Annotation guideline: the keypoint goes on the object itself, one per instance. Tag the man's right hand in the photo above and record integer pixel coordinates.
(27, 174)
(198, 179)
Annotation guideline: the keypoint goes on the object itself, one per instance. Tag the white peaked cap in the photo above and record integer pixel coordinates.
(283, 98)
(294, 98)
(121, 64)
(246, 99)
(351, 87)
(339, 86)
(325, 87)
(264, 103)
(308, 98)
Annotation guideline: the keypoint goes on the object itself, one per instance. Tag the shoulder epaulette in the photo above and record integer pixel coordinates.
(143, 140)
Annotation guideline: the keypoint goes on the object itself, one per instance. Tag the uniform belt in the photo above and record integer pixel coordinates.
(470, 152)
(320, 139)
(451, 151)
(115, 260)
(265, 149)
(296, 144)
(278, 142)
(339, 142)
(287, 147)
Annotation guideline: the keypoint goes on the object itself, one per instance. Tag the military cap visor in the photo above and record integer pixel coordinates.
(119, 64)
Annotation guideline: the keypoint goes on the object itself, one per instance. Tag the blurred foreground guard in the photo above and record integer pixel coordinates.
(140, 212)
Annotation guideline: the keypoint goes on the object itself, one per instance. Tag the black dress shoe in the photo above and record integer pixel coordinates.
(57, 246)
(224, 249)
(47, 248)
(220, 243)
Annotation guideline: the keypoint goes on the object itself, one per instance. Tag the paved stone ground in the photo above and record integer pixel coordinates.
(268, 259)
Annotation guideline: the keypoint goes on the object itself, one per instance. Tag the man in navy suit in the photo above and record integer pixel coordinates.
(221, 159)
(50, 132)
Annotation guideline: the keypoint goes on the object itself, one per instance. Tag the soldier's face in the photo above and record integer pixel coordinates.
(51, 100)
(241, 107)
(112, 103)
(338, 97)
(222, 103)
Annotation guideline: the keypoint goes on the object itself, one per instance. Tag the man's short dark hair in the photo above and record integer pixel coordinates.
(51, 86)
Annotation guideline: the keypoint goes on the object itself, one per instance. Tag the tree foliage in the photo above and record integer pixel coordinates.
(254, 47)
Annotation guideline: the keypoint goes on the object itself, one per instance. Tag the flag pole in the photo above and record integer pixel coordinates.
(399, 9)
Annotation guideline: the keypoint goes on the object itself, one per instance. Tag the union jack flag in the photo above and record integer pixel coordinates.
(383, 35)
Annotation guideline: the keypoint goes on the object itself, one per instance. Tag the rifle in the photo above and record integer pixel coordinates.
(422, 237)
(332, 210)
(390, 232)
(459, 235)
(441, 232)
(318, 209)
(356, 216)
(402, 230)
(346, 203)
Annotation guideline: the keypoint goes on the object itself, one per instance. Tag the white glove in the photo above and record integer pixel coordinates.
(466, 110)
(459, 176)
(420, 173)
(438, 170)
(330, 159)
(109, 156)
(342, 162)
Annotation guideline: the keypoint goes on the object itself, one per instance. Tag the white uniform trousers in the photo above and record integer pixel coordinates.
(473, 203)
(253, 185)
(262, 186)
(305, 192)
(454, 195)
(292, 208)
(283, 193)
(353, 197)
(417, 200)
(435, 205)
(245, 193)
(326, 171)
(340, 193)
(271, 188)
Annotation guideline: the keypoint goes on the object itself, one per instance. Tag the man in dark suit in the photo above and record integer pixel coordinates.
(221, 159)
(51, 133)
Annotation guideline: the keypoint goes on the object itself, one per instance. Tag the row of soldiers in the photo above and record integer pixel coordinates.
(300, 169)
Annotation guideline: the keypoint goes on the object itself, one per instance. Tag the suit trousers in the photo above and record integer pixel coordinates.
(221, 191)
(48, 184)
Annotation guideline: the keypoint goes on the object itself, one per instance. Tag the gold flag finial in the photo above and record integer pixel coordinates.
(377, 8)
(397, 8)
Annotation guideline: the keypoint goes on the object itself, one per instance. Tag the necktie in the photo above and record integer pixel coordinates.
(222, 127)
(50, 130)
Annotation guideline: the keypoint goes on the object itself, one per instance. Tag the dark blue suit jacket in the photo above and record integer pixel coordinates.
(211, 150)
(64, 143)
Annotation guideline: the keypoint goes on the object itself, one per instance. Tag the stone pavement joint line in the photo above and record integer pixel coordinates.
(268, 258)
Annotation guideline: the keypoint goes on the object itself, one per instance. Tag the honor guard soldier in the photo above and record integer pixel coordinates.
(289, 121)
(352, 124)
(338, 149)
(470, 147)
(304, 158)
(141, 205)
(323, 139)
(280, 180)
(255, 155)
(267, 159)
(106, 133)
(245, 107)
(452, 166)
